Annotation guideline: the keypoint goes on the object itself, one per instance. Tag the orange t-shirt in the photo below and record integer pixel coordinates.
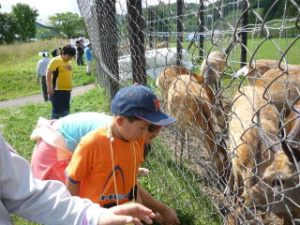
(92, 166)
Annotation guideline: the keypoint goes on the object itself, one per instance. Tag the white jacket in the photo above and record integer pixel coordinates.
(46, 202)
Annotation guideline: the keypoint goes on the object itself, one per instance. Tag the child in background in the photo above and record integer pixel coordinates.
(59, 82)
(41, 72)
(105, 164)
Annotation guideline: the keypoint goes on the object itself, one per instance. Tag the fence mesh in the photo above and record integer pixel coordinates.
(229, 71)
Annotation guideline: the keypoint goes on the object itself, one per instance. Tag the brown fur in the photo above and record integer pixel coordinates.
(191, 104)
(244, 134)
(282, 87)
(257, 169)
(212, 68)
(165, 79)
(261, 66)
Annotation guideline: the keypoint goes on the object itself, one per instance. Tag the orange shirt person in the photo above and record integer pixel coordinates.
(105, 164)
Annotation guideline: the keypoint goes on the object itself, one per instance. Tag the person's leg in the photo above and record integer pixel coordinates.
(78, 60)
(81, 60)
(44, 88)
(88, 68)
(55, 101)
(65, 103)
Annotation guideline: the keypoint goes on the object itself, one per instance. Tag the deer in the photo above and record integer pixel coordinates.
(212, 68)
(279, 185)
(265, 161)
(282, 86)
(192, 105)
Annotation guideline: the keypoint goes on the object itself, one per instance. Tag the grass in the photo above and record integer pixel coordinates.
(18, 68)
(269, 49)
(177, 186)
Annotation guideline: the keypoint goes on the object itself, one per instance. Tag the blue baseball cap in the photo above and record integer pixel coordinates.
(141, 102)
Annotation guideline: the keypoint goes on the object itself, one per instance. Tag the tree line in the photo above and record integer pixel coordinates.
(20, 24)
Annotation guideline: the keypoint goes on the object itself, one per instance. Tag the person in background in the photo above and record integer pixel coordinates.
(41, 73)
(79, 52)
(73, 41)
(104, 166)
(57, 140)
(56, 52)
(59, 82)
(88, 57)
(49, 202)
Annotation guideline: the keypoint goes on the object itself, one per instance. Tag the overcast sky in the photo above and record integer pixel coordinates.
(48, 8)
(45, 8)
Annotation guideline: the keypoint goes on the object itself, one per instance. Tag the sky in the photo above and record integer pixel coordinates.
(50, 7)
(44, 8)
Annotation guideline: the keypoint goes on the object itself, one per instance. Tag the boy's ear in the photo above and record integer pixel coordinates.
(119, 120)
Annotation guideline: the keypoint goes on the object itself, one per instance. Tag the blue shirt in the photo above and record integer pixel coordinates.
(73, 127)
(88, 54)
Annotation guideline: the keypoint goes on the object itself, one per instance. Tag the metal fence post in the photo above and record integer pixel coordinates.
(136, 35)
(106, 11)
(179, 31)
(244, 33)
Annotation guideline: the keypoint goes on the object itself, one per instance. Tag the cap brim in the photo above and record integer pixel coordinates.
(157, 118)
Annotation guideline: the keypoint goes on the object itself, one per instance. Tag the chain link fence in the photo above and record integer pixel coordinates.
(229, 71)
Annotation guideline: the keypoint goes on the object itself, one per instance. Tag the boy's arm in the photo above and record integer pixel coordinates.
(49, 82)
(166, 215)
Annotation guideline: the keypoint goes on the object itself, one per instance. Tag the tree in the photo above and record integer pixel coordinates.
(8, 27)
(25, 17)
(69, 24)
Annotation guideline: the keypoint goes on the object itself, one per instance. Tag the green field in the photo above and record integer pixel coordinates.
(272, 48)
(18, 68)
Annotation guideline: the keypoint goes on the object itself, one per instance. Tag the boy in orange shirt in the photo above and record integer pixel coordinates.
(105, 164)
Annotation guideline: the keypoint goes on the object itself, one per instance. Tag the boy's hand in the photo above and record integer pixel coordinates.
(143, 172)
(127, 213)
(167, 216)
(50, 91)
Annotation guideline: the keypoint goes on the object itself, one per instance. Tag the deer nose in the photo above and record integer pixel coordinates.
(277, 183)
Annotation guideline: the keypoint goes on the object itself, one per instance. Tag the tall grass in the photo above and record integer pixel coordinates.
(15, 54)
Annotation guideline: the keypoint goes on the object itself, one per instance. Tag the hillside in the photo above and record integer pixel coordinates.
(44, 31)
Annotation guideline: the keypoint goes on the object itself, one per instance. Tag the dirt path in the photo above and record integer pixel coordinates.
(33, 99)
